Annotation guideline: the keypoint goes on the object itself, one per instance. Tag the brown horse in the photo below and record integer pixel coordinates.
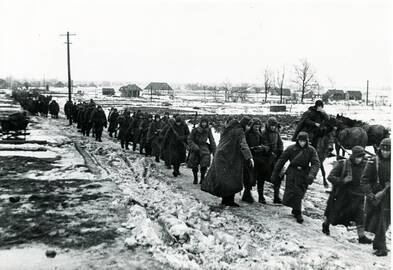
(375, 134)
(354, 132)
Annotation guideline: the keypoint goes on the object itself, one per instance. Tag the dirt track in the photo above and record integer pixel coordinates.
(89, 218)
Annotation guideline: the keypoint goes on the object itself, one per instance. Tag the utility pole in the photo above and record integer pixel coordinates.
(69, 68)
(367, 95)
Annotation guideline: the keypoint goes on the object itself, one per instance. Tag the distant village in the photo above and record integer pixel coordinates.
(208, 93)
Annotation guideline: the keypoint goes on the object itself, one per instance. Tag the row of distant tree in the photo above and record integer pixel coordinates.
(11, 83)
(304, 79)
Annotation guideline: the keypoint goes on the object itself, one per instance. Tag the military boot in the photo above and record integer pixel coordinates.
(261, 198)
(247, 196)
(195, 173)
(277, 196)
(203, 173)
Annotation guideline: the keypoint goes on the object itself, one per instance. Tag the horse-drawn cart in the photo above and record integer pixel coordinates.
(13, 120)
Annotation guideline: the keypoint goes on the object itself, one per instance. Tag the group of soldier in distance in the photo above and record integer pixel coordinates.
(250, 153)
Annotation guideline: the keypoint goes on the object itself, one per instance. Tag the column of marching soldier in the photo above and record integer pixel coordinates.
(248, 154)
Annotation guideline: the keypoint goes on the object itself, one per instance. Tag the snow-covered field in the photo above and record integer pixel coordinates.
(171, 224)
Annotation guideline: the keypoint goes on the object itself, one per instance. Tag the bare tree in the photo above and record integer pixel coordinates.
(332, 83)
(280, 81)
(257, 91)
(226, 86)
(214, 92)
(304, 75)
(268, 82)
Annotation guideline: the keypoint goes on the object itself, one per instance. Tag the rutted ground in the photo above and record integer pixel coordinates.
(181, 227)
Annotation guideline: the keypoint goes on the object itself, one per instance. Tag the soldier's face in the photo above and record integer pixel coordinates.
(358, 160)
(385, 153)
(272, 128)
(302, 143)
(204, 124)
(256, 128)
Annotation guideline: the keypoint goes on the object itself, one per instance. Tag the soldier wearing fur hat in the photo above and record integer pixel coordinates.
(136, 128)
(113, 118)
(376, 177)
(259, 153)
(201, 144)
(175, 142)
(311, 122)
(98, 122)
(225, 176)
(303, 167)
(346, 201)
(272, 139)
(154, 138)
(144, 145)
(125, 122)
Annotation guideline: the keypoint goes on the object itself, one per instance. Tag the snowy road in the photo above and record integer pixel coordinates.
(181, 227)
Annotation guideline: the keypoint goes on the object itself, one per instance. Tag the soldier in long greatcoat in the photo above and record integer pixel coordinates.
(303, 167)
(225, 176)
(202, 145)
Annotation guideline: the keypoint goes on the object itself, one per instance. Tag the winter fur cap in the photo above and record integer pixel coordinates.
(357, 151)
(319, 103)
(256, 121)
(246, 120)
(303, 136)
(385, 144)
(272, 121)
(178, 118)
(204, 119)
(157, 116)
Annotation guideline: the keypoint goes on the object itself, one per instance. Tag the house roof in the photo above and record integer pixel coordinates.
(130, 87)
(354, 93)
(334, 91)
(276, 92)
(255, 89)
(158, 86)
(239, 89)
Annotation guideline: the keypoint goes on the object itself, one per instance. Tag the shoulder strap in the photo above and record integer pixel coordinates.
(297, 156)
(377, 167)
(344, 169)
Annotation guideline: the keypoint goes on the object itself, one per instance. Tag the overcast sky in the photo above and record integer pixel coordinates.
(347, 42)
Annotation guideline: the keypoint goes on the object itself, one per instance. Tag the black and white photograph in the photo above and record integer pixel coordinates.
(195, 134)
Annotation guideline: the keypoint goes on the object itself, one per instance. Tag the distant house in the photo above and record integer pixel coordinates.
(159, 89)
(353, 95)
(309, 94)
(108, 91)
(333, 94)
(238, 93)
(256, 89)
(130, 90)
(60, 85)
(276, 92)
